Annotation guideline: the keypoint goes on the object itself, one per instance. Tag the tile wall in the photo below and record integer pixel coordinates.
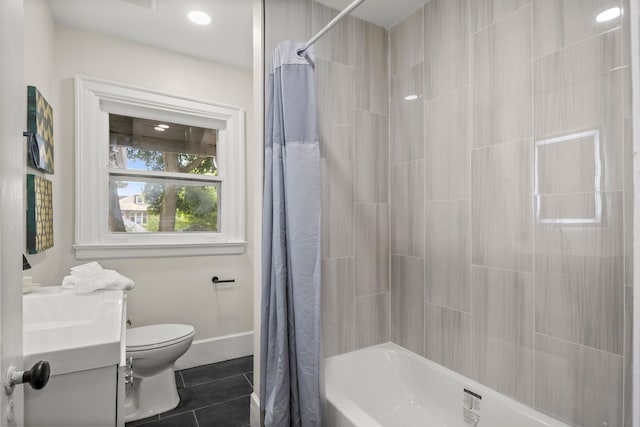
(484, 222)
(353, 120)
(511, 199)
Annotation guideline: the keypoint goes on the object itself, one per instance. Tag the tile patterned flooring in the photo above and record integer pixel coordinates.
(215, 395)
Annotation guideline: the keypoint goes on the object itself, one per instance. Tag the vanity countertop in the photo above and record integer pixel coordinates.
(73, 332)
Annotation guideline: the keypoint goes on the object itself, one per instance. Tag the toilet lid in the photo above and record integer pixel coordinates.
(151, 336)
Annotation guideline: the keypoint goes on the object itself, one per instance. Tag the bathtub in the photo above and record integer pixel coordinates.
(387, 385)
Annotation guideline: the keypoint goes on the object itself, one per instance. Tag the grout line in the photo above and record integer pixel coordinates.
(210, 405)
(405, 256)
(177, 414)
(447, 308)
(576, 43)
(376, 113)
(389, 167)
(196, 418)
(156, 418)
(424, 321)
(608, 353)
(469, 159)
(619, 67)
(624, 353)
(582, 193)
(319, 58)
(450, 92)
(377, 294)
(533, 213)
(499, 20)
(625, 225)
(500, 144)
(247, 378)
(500, 269)
(447, 200)
(210, 381)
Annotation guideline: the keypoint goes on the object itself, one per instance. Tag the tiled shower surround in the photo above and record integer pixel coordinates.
(353, 122)
(502, 248)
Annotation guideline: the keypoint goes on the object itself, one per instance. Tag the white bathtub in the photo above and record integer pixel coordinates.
(387, 385)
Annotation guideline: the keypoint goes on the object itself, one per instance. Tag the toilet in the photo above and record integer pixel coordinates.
(153, 351)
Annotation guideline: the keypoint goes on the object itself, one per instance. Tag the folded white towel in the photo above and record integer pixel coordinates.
(90, 266)
(89, 277)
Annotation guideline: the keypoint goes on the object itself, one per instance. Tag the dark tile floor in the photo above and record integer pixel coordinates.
(215, 395)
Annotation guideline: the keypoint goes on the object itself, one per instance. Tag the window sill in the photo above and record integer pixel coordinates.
(158, 250)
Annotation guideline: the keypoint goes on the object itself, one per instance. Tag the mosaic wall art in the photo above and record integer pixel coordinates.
(39, 214)
(39, 131)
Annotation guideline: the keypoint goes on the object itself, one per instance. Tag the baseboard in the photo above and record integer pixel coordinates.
(212, 350)
(255, 410)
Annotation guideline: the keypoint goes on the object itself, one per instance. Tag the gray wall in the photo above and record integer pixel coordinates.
(353, 116)
(502, 268)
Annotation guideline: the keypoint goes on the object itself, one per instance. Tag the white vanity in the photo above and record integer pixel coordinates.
(82, 337)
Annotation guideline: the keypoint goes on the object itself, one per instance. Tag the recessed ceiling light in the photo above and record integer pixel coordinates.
(411, 97)
(163, 126)
(199, 17)
(159, 129)
(609, 14)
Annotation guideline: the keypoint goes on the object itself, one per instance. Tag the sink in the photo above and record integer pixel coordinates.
(73, 332)
(82, 337)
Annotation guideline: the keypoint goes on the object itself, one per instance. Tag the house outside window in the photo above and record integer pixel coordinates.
(134, 212)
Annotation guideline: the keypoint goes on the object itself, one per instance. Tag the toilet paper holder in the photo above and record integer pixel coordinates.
(215, 280)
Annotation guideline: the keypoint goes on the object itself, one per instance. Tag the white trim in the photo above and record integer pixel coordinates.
(162, 176)
(13, 109)
(158, 250)
(95, 98)
(213, 350)
(635, 91)
(597, 218)
(254, 410)
(256, 163)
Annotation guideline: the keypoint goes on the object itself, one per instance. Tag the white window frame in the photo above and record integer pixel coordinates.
(95, 99)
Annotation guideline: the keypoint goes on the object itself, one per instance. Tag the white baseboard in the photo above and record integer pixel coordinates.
(255, 410)
(212, 350)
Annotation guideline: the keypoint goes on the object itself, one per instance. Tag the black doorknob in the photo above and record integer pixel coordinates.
(38, 375)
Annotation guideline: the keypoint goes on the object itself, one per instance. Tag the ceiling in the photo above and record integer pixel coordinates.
(385, 13)
(227, 40)
(164, 24)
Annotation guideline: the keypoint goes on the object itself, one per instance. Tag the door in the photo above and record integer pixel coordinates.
(12, 214)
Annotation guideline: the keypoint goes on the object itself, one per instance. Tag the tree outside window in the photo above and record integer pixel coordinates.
(176, 180)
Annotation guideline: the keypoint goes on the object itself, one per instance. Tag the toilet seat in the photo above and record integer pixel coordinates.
(157, 336)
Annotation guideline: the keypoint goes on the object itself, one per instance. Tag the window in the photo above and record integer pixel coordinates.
(167, 170)
(156, 174)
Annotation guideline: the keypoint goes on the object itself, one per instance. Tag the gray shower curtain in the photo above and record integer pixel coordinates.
(290, 392)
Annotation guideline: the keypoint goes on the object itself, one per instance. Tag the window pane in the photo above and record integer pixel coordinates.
(152, 145)
(168, 205)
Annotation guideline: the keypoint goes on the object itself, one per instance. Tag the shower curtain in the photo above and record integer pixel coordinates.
(290, 392)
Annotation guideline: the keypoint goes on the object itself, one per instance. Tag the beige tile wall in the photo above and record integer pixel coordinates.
(527, 199)
(485, 224)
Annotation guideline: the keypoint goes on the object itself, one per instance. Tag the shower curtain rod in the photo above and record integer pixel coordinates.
(330, 25)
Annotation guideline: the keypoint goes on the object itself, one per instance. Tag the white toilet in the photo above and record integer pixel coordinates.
(154, 350)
